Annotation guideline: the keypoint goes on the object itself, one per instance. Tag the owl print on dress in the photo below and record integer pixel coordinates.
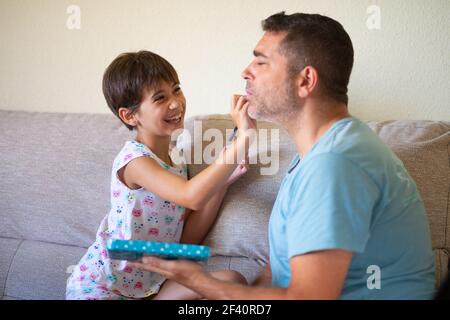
(127, 157)
(169, 233)
(137, 212)
(138, 227)
(83, 267)
(127, 282)
(153, 232)
(130, 197)
(165, 206)
(99, 263)
(93, 277)
(168, 219)
(111, 278)
(149, 201)
(153, 218)
(105, 235)
(116, 193)
(139, 273)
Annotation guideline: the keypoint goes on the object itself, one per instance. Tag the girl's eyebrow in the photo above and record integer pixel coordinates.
(158, 92)
(162, 91)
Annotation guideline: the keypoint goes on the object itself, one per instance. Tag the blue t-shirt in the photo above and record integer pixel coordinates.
(351, 192)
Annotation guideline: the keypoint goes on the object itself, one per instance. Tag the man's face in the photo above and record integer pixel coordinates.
(270, 92)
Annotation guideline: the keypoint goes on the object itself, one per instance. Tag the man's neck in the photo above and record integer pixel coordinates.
(312, 121)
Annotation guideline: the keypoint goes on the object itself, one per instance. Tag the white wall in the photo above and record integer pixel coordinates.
(402, 71)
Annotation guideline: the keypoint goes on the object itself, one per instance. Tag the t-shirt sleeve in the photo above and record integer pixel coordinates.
(131, 151)
(331, 206)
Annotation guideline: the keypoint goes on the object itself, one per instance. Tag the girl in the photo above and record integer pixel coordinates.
(151, 198)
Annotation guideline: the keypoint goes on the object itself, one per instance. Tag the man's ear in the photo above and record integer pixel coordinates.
(307, 81)
(127, 116)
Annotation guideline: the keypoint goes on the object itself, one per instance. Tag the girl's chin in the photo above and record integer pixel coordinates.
(171, 127)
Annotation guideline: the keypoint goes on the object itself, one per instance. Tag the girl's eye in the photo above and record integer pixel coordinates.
(177, 89)
(160, 98)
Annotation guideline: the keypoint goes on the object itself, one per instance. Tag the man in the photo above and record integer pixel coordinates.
(347, 207)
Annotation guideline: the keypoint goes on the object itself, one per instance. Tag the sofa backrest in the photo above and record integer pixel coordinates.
(55, 172)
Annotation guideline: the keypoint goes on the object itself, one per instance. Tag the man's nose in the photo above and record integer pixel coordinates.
(246, 73)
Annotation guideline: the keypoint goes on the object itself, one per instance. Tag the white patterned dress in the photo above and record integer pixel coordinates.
(134, 215)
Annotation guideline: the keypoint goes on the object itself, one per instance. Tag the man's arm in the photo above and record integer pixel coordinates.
(315, 275)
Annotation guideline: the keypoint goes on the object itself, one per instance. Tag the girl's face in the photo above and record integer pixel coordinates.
(162, 110)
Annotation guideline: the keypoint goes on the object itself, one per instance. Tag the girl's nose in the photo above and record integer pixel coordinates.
(173, 106)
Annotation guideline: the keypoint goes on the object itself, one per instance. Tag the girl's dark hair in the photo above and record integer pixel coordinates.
(317, 41)
(130, 75)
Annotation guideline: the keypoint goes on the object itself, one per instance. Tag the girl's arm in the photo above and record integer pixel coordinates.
(199, 222)
(196, 192)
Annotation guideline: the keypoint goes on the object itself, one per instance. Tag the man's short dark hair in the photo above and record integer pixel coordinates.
(129, 76)
(317, 41)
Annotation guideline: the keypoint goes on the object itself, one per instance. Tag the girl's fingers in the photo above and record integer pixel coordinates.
(245, 108)
(240, 103)
(234, 99)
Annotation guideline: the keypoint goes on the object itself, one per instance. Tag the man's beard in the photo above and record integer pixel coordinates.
(277, 108)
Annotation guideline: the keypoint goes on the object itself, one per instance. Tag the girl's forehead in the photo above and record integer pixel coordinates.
(160, 86)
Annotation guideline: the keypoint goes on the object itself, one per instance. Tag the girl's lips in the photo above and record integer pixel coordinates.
(175, 120)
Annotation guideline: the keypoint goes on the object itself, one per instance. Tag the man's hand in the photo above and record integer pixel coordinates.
(182, 271)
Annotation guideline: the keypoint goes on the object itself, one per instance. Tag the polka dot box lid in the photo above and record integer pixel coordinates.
(135, 249)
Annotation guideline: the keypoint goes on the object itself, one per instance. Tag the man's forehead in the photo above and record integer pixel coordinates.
(269, 43)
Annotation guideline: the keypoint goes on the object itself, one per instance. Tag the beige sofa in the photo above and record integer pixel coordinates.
(54, 192)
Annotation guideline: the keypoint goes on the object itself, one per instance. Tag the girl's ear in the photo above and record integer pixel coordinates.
(127, 116)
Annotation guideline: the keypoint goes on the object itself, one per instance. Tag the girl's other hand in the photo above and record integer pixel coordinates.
(237, 173)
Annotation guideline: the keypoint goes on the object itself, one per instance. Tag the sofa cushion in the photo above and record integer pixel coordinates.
(8, 248)
(38, 270)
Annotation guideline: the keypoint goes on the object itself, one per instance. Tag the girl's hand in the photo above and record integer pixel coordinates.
(237, 173)
(238, 111)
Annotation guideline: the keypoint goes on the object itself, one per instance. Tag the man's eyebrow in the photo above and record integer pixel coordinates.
(259, 54)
